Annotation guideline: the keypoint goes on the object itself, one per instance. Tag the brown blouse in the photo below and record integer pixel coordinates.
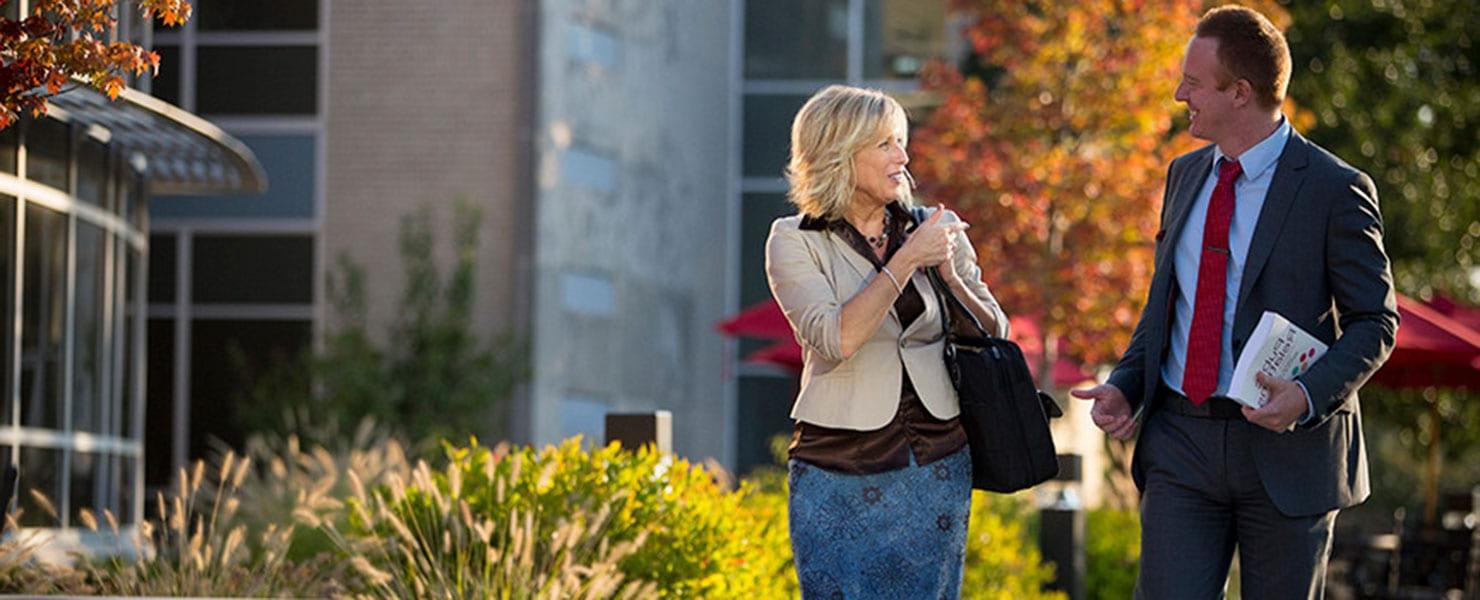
(913, 428)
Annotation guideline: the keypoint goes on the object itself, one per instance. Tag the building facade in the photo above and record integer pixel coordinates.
(74, 216)
(626, 156)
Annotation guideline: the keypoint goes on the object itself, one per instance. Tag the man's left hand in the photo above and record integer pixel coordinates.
(1286, 404)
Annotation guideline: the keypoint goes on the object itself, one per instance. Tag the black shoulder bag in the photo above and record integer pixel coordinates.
(1002, 411)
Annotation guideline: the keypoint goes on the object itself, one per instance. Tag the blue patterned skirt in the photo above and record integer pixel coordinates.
(897, 534)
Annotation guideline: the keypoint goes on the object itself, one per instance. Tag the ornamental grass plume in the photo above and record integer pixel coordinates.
(413, 537)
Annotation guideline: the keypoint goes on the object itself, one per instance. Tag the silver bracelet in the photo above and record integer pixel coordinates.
(897, 288)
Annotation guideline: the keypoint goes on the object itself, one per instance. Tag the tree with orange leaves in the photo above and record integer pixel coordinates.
(64, 44)
(1053, 140)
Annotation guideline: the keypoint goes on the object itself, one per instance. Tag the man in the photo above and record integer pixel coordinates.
(1259, 220)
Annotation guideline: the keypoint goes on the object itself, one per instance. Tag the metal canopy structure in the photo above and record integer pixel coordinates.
(185, 154)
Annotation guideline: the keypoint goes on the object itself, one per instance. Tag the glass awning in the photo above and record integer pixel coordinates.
(185, 154)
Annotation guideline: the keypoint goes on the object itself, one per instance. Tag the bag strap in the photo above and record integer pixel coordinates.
(937, 283)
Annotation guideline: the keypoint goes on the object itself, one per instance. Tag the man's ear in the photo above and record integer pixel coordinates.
(1243, 92)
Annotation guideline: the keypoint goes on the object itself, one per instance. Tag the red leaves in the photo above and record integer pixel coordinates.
(1057, 158)
(61, 44)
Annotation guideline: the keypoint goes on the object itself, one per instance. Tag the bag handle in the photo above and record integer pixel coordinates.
(937, 283)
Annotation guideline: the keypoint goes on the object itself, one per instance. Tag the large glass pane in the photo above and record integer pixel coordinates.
(129, 193)
(757, 213)
(226, 358)
(243, 80)
(126, 329)
(768, 133)
(159, 395)
(92, 173)
(47, 143)
(123, 472)
(288, 160)
(786, 39)
(900, 35)
(257, 15)
(763, 405)
(39, 493)
(88, 474)
(272, 269)
(8, 253)
(162, 268)
(89, 349)
(165, 84)
(43, 318)
(8, 141)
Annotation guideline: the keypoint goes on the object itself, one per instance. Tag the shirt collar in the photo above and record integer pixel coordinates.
(897, 212)
(1262, 155)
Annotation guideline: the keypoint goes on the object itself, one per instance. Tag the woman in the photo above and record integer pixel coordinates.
(880, 490)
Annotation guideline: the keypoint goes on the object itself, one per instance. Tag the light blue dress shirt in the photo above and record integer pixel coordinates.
(1249, 191)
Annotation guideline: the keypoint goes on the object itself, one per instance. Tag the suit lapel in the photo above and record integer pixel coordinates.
(927, 294)
(860, 265)
(1188, 183)
(1288, 176)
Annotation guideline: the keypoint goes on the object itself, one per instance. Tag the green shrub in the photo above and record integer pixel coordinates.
(699, 540)
(1112, 553)
(1002, 559)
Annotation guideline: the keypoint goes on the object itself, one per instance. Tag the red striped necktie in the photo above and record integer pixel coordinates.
(1204, 343)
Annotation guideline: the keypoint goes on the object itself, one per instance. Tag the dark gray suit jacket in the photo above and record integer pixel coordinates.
(1316, 258)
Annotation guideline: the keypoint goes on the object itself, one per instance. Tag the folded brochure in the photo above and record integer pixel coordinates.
(1279, 349)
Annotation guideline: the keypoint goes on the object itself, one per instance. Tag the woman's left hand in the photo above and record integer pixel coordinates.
(948, 268)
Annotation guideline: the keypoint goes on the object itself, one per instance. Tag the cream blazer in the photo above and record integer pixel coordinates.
(812, 274)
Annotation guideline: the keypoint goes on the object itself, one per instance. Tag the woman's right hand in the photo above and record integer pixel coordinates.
(931, 243)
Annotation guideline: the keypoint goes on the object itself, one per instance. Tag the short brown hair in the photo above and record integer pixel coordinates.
(1250, 48)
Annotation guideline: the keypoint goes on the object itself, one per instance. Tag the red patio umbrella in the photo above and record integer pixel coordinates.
(765, 320)
(759, 320)
(1431, 350)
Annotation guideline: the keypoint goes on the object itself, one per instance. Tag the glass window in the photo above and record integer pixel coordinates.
(289, 162)
(226, 357)
(47, 141)
(132, 188)
(246, 269)
(253, 80)
(121, 475)
(785, 39)
(126, 329)
(768, 133)
(7, 307)
(159, 395)
(43, 316)
(165, 84)
(757, 213)
(763, 404)
(162, 268)
(89, 475)
(257, 15)
(900, 36)
(89, 348)
(92, 173)
(40, 470)
(8, 142)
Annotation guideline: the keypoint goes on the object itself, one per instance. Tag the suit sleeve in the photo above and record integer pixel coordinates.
(1130, 373)
(964, 257)
(805, 296)
(1362, 289)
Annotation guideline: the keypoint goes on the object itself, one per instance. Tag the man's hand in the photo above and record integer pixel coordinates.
(1286, 404)
(1111, 412)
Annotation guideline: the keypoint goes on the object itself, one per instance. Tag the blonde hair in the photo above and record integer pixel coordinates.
(830, 129)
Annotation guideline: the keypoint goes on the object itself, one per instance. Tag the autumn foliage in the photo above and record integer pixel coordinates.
(63, 44)
(1053, 139)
